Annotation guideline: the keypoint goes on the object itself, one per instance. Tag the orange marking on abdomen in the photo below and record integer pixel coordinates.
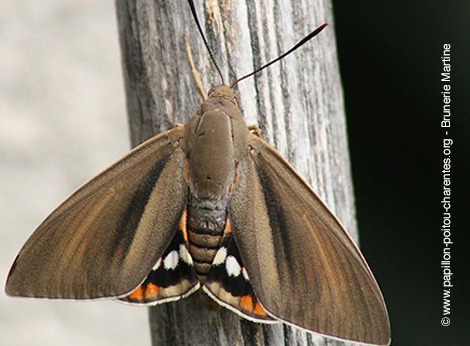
(183, 223)
(151, 291)
(246, 303)
(228, 227)
(252, 305)
(259, 310)
(137, 294)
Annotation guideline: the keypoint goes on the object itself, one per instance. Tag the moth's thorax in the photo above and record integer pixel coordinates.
(215, 141)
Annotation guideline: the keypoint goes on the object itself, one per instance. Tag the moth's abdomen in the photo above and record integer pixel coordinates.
(205, 231)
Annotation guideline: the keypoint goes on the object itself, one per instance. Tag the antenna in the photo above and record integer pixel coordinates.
(299, 44)
(193, 11)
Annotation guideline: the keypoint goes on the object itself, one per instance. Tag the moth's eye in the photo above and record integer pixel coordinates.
(211, 90)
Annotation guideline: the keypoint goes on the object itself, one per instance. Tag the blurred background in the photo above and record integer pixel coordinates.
(62, 120)
(390, 57)
(60, 78)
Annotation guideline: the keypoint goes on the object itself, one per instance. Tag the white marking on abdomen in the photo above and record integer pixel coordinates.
(171, 260)
(185, 256)
(232, 266)
(220, 256)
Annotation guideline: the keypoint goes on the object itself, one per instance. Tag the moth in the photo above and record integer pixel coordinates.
(207, 205)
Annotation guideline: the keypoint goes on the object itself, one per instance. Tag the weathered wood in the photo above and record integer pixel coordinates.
(297, 103)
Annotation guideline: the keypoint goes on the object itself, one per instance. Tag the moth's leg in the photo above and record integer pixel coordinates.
(194, 71)
(254, 129)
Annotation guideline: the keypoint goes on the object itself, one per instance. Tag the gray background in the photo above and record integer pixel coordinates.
(62, 120)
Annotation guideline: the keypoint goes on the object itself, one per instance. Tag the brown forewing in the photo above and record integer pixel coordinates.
(104, 239)
(303, 266)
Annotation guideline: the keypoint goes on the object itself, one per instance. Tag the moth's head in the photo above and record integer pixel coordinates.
(226, 92)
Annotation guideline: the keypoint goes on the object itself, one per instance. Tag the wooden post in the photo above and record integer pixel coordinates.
(297, 103)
